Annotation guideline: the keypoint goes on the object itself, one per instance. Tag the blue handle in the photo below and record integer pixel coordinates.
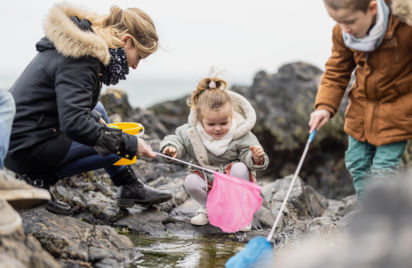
(312, 135)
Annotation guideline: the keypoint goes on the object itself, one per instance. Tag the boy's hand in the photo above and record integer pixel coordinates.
(170, 151)
(258, 154)
(318, 119)
(144, 149)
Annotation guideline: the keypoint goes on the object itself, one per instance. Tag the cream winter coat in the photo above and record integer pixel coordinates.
(189, 145)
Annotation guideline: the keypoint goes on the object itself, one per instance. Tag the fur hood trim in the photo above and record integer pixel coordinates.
(243, 107)
(69, 39)
(403, 10)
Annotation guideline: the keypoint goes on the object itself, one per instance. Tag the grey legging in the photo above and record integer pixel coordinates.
(196, 185)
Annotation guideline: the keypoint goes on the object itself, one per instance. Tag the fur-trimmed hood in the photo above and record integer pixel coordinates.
(69, 39)
(403, 10)
(246, 119)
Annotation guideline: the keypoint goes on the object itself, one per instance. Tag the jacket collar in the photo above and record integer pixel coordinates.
(403, 10)
(243, 107)
(69, 39)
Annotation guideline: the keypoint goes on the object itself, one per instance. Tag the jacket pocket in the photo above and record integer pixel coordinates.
(404, 100)
(48, 133)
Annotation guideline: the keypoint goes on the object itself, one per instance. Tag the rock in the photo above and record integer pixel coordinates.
(20, 250)
(303, 200)
(115, 101)
(145, 221)
(266, 218)
(172, 113)
(75, 240)
(154, 126)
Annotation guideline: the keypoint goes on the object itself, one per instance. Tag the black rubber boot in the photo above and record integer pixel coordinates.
(132, 191)
(54, 205)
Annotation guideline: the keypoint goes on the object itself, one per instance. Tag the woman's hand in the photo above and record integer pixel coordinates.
(144, 149)
(170, 151)
(318, 119)
(258, 154)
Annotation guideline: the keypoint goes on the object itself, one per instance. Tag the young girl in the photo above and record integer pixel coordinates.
(218, 136)
(60, 128)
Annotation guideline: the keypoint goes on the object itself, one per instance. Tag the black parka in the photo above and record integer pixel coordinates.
(55, 96)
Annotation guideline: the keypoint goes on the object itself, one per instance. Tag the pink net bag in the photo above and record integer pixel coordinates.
(232, 202)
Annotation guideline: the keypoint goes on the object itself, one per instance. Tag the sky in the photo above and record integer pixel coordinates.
(237, 37)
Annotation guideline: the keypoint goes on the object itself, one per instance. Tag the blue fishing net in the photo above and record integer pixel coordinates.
(257, 253)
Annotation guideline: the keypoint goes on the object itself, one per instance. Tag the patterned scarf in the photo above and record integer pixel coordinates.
(375, 36)
(117, 68)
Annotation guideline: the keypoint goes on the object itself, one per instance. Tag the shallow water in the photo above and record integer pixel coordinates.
(184, 252)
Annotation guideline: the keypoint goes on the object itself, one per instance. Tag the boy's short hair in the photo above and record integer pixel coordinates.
(355, 5)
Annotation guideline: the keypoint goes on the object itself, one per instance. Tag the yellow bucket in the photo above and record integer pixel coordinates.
(129, 128)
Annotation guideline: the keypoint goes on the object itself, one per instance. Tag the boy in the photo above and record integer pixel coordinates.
(370, 37)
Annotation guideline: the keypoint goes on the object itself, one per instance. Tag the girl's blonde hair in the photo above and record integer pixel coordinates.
(209, 94)
(131, 21)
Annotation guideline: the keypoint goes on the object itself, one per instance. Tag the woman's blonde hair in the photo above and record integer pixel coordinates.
(209, 94)
(131, 21)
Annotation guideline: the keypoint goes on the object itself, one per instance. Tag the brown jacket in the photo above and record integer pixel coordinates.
(380, 106)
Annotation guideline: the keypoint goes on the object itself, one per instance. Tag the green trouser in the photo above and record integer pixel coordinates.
(366, 162)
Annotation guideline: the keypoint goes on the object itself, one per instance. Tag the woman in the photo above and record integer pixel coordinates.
(60, 129)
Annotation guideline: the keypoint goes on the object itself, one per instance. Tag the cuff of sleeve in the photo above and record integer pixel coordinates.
(128, 146)
(163, 146)
(327, 108)
(115, 141)
(171, 144)
(96, 115)
(260, 166)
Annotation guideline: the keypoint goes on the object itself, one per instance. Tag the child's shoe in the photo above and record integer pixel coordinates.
(247, 228)
(200, 218)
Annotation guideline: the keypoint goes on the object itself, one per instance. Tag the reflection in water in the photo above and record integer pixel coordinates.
(184, 252)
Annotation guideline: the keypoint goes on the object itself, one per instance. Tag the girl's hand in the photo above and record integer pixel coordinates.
(258, 154)
(318, 119)
(170, 151)
(144, 149)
